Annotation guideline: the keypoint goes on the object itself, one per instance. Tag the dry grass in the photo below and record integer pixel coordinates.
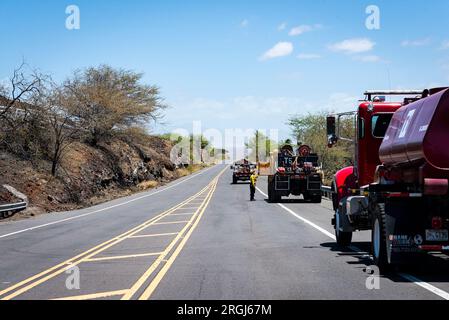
(182, 172)
(148, 185)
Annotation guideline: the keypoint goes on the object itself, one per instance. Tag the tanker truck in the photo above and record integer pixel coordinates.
(398, 186)
(293, 172)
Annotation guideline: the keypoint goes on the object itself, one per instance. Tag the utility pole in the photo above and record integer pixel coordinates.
(257, 146)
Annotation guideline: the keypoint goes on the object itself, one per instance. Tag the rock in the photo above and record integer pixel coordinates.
(16, 193)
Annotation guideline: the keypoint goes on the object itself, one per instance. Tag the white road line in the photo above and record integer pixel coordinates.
(103, 209)
(310, 223)
(425, 285)
(441, 293)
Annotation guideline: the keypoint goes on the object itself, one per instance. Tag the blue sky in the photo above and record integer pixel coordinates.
(212, 59)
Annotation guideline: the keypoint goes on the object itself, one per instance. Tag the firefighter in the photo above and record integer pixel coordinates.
(252, 184)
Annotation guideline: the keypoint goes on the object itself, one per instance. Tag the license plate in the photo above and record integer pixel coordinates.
(437, 235)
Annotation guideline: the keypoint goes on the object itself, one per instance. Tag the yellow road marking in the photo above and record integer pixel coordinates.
(180, 236)
(158, 261)
(95, 295)
(171, 222)
(139, 255)
(52, 272)
(154, 235)
(153, 285)
(60, 268)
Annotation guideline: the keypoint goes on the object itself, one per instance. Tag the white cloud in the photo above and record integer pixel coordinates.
(265, 112)
(369, 58)
(341, 102)
(308, 56)
(445, 45)
(296, 31)
(290, 76)
(244, 23)
(416, 43)
(281, 49)
(351, 46)
(282, 26)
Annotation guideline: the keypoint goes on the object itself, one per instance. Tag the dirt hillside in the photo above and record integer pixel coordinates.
(88, 175)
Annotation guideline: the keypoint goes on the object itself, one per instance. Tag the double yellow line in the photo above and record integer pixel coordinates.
(153, 285)
(32, 282)
(182, 238)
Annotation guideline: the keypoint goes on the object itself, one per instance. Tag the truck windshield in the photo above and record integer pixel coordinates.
(380, 123)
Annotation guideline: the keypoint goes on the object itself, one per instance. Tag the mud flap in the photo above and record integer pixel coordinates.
(403, 232)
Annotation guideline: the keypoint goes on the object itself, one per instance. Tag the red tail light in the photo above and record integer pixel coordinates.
(281, 170)
(437, 223)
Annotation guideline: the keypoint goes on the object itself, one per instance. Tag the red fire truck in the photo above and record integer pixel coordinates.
(398, 186)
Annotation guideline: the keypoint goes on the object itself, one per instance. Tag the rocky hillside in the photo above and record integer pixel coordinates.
(89, 175)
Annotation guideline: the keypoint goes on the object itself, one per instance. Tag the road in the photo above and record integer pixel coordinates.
(199, 238)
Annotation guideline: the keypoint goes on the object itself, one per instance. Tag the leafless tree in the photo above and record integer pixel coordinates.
(23, 87)
(64, 129)
(19, 121)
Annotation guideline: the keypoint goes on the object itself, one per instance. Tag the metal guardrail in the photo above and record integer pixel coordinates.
(326, 192)
(8, 210)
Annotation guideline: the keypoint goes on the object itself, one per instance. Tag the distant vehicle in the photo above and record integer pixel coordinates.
(242, 171)
(293, 173)
(399, 185)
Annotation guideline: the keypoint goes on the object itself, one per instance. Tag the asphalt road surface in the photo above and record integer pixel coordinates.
(200, 238)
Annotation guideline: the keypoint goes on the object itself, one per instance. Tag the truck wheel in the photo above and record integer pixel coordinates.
(316, 199)
(234, 180)
(344, 239)
(274, 197)
(379, 240)
(270, 193)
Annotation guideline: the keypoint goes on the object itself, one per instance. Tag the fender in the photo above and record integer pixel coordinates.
(344, 181)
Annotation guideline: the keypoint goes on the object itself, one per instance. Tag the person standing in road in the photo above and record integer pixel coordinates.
(252, 184)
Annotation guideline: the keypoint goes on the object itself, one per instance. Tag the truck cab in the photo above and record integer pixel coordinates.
(294, 172)
(371, 121)
(242, 170)
(398, 186)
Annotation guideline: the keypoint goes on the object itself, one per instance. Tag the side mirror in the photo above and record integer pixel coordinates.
(332, 137)
(232, 167)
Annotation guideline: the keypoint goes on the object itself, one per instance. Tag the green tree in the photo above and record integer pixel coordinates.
(260, 146)
(198, 141)
(310, 129)
(109, 100)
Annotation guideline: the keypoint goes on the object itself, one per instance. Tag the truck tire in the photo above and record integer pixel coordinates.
(277, 198)
(379, 240)
(269, 193)
(306, 197)
(316, 199)
(272, 196)
(234, 180)
(343, 239)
